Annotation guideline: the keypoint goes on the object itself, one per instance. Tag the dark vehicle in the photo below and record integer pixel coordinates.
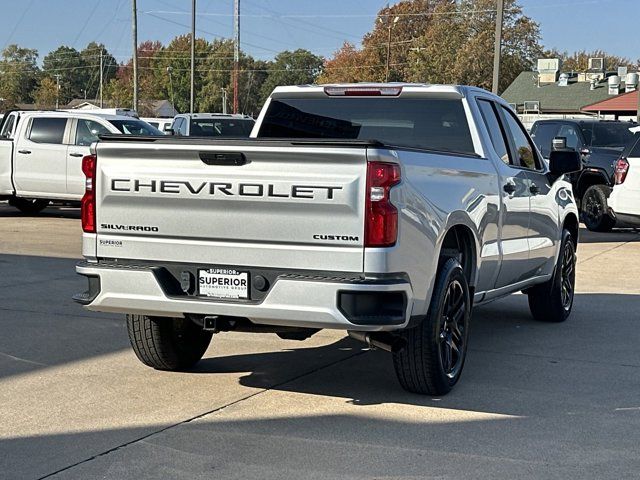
(600, 143)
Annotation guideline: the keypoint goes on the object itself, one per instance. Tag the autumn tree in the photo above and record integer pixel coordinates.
(18, 75)
(46, 94)
(347, 65)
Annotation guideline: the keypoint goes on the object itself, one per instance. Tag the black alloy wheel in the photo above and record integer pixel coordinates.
(452, 336)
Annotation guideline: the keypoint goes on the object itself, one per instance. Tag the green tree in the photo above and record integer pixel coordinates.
(46, 93)
(91, 56)
(299, 67)
(73, 70)
(18, 75)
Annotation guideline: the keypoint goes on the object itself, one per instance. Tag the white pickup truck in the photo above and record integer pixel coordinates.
(41, 153)
(385, 210)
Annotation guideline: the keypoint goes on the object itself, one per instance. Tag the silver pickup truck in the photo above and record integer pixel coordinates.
(386, 210)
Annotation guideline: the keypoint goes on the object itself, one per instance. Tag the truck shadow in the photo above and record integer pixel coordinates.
(511, 358)
(616, 235)
(52, 211)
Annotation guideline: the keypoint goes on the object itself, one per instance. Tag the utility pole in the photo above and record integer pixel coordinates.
(193, 54)
(224, 100)
(134, 27)
(497, 50)
(101, 102)
(236, 53)
(57, 75)
(173, 101)
(390, 27)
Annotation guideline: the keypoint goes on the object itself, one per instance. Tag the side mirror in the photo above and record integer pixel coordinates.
(168, 130)
(559, 143)
(564, 161)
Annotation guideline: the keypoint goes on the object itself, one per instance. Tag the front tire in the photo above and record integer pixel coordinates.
(552, 301)
(173, 344)
(595, 209)
(29, 206)
(432, 360)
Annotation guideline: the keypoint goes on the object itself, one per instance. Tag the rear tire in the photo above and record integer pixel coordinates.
(174, 344)
(29, 206)
(552, 301)
(432, 360)
(595, 210)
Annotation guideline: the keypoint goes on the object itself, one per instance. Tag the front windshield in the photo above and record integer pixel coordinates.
(607, 135)
(135, 127)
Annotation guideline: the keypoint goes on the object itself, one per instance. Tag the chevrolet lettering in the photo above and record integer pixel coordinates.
(384, 210)
(225, 188)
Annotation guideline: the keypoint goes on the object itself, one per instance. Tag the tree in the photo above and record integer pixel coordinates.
(46, 94)
(299, 67)
(18, 75)
(347, 65)
(91, 56)
(439, 41)
(73, 70)
(579, 61)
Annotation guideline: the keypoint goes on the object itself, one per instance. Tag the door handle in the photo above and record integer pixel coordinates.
(76, 154)
(509, 187)
(24, 152)
(534, 189)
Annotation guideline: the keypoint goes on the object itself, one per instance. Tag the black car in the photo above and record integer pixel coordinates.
(600, 143)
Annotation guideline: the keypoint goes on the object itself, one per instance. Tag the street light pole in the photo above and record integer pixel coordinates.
(193, 54)
(497, 50)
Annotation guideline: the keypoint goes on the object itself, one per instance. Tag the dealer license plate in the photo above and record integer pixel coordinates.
(223, 283)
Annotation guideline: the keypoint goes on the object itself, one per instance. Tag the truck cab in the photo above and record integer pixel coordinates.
(41, 153)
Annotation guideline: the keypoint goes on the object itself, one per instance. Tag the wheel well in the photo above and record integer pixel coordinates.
(459, 243)
(587, 180)
(571, 224)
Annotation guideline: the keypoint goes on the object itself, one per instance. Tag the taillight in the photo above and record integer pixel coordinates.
(88, 205)
(381, 217)
(620, 170)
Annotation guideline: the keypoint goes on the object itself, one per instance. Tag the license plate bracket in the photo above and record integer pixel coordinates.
(223, 283)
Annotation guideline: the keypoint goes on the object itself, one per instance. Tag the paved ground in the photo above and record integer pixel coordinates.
(535, 401)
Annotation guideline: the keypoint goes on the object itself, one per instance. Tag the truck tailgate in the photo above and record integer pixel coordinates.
(252, 203)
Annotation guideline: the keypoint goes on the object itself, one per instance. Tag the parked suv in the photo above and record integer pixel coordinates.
(41, 153)
(212, 125)
(600, 143)
(624, 200)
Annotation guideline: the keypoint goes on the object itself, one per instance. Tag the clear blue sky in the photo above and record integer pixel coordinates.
(274, 25)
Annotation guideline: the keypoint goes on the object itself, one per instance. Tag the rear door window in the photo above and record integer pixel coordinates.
(425, 123)
(524, 150)
(543, 135)
(47, 130)
(492, 122)
(87, 132)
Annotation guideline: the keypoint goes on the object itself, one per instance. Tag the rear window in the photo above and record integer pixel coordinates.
(47, 130)
(607, 135)
(424, 123)
(214, 127)
(135, 127)
(543, 135)
(634, 147)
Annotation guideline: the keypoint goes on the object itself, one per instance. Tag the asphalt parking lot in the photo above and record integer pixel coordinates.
(536, 400)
